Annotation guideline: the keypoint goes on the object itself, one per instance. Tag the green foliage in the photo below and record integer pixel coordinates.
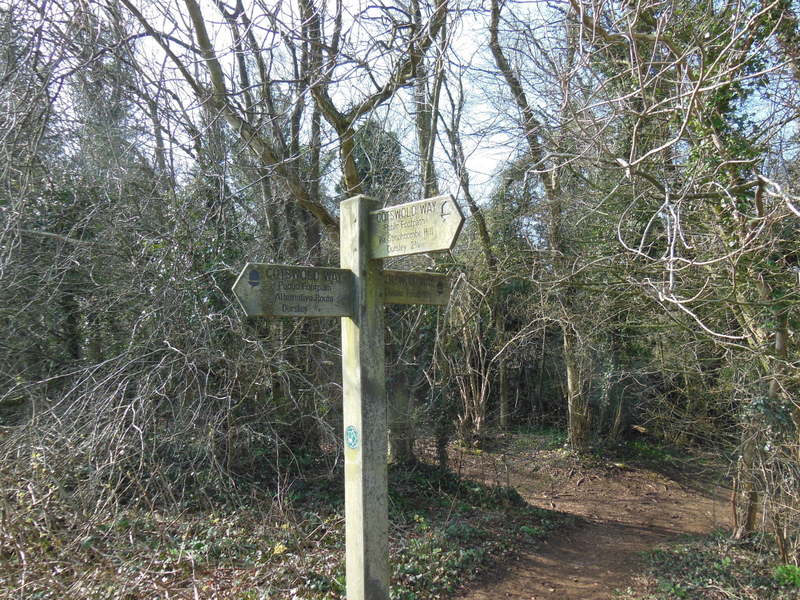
(428, 482)
(379, 162)
(788, 575)
(539, 437)
(463, 532)
(649, 451)
(774, 413)
(432, 562)
(533, 532)
(733, 569)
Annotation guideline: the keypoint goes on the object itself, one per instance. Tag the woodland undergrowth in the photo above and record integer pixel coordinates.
(444, 531)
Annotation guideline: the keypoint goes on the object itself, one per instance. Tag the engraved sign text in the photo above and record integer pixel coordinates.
(267, 290)
(409, 287)
(423, 226)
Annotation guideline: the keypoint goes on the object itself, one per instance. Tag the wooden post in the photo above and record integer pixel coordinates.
(357, 293)
(365, 422)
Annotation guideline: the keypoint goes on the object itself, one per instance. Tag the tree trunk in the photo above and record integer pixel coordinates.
(577, 404)
(401, 422)
(504, 408)
(71, 330)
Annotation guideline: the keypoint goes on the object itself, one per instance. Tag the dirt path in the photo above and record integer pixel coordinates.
(623, 511)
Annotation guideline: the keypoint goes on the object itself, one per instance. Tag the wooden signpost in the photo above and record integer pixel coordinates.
(357, 292)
